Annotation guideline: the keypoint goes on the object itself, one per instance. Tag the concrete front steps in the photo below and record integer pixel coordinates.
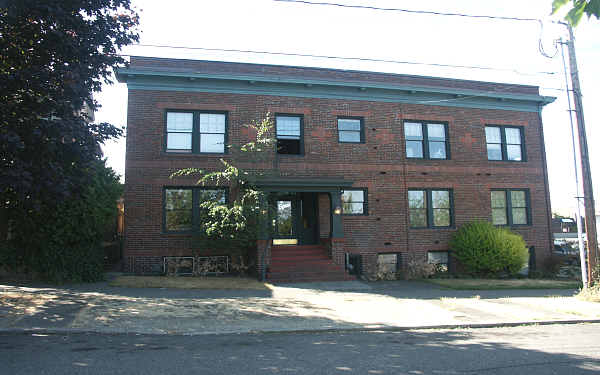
(291, 263)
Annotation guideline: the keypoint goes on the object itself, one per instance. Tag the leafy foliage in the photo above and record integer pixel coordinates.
(53, 56)
(63, 243)
(234, 227)
(486, 250)
(578, 9)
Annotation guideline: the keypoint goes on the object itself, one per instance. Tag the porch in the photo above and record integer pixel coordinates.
(302, 236)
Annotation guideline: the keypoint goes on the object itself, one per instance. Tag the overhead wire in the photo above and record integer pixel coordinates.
(506, 18)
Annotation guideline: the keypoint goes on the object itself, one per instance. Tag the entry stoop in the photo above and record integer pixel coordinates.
(291, 263)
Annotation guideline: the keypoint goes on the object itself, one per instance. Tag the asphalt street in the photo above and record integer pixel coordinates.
(551, 349)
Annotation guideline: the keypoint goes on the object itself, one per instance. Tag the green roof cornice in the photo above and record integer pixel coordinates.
(280, 85)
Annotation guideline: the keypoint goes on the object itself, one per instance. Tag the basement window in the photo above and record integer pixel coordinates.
(289, 134)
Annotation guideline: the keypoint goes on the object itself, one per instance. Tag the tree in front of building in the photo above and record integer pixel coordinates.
(233, 226)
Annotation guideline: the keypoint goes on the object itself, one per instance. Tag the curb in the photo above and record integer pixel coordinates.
(56, 331)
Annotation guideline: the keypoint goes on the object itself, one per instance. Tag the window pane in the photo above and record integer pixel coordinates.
(349, 196)
(519, 216)
(437, 257)
(353, 208)
(492, 134)
(436, 132)
(440, 199)
(499, 216)
(441, 217)
(288, 127)
(414, 149)
(513, 136)
(178, 199)
(517, 198)
(284, 218)
(179, 220)
(416, 199)
(494, 151)
(212, 143)
(437, 150)
(349, 124)
(179, 121)
(418, 217)
(178, 204)
(413, 131)
(513, 152)
(179, 141)
(498, 199)
(349, 136)
(212, 123)
(212, 196)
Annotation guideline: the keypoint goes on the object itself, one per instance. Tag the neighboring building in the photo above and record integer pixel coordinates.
(373, 165)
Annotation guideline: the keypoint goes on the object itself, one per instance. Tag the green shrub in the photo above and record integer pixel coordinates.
(486, 250)
(62, 242)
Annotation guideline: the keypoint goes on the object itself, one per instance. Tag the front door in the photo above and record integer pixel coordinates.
(296, 219)
(286, 221)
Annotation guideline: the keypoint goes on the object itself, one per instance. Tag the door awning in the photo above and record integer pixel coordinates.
(302, 184)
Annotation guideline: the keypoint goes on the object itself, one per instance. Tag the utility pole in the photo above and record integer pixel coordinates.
(586, 176)
(578, 217)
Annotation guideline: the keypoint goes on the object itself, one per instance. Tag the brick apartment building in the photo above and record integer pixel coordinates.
(371, 164)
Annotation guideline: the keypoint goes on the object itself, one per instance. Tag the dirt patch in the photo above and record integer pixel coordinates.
(189, 282)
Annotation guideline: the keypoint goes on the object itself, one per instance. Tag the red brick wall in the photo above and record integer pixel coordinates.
(378, 164)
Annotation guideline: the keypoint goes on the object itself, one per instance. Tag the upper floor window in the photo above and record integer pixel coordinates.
(196, 132)
(504, 143)
(212, 132)
(180, 127)
(426, 140)
(430, 208)
(354, 202)
(183, 206)
(289, 134)
(350, 130)
(510, 207)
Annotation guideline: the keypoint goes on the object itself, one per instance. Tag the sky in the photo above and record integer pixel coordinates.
(510, 46)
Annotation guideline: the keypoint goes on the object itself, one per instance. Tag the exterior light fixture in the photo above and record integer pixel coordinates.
(338, 210)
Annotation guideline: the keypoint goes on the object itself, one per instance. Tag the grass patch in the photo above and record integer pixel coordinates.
(591, 294)
(493, 284)
(188, 282)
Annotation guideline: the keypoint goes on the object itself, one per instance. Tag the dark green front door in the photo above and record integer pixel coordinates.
(296, 219)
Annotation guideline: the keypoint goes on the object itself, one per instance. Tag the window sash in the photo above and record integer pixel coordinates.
(196, 132)
(349, 130)
(354, 201)
(426, 140)
(510, 207)
(504, 143)
(182, 216)
(288, 127)
(430, 208)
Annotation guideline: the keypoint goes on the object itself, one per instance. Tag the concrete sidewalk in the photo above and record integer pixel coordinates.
(286, 307)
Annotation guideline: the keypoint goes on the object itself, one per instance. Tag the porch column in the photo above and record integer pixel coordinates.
(337, 230)
(263, 243)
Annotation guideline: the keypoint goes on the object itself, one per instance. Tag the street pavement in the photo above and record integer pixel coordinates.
(572, 349)
(341, 306)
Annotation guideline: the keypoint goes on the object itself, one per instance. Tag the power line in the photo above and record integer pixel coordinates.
(427, 12)
(348, 58)
(410, 10)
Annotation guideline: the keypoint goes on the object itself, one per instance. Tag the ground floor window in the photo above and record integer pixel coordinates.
(183, 205)
(439, 259)
(430, 208)
(354, 202)
(510, 207)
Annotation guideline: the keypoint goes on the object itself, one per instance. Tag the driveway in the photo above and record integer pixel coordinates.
(285, 307)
